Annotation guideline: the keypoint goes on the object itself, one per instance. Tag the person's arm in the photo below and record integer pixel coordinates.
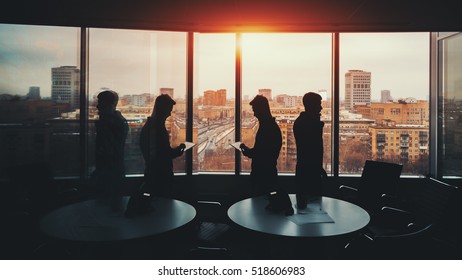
(178, 151)
(268, 143)
(246, 151)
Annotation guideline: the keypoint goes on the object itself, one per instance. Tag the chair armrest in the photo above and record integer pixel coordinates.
(348, 193)
(395, 210)
(387, 196)
(345, 187)
(395, 217)
(210, 203)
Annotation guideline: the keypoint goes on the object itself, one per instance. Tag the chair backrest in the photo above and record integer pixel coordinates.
(209, 211)
(378, 178)
(212, 226)
(212, 218)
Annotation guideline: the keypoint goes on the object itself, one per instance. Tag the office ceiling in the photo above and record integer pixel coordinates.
(240, 15)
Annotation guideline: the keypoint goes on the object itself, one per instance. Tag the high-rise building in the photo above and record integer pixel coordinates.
(357, 88)
(215, 98)
(290, 101)
(208, 97)
(385, 96)
(221, 97)
(65, 85)
(34, 93)
(266, 92)
(280, 98)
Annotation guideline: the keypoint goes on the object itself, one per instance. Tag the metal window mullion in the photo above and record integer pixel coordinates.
(436, 123)
(336, 103)
(237, 98)
(83, 121)
(189, 100)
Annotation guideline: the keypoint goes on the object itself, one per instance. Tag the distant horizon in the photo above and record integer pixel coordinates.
(395, 99)
(214, 89)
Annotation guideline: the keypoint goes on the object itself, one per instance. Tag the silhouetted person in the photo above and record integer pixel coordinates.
(158, 156)
(111, 133)
(308, 129)
(265, 152)
(156, 149)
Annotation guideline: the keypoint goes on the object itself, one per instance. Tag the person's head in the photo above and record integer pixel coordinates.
(163, 106)
(312, 102)
(107, 101)
(260, 107)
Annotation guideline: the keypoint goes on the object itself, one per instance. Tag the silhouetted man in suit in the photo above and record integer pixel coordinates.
(308, 129)
(265, 152)
(111, 133)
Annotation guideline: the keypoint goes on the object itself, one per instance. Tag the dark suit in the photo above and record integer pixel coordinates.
(264, 155)
(308, 132)
(111, 133)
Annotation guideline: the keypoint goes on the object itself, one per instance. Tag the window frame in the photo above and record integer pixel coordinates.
(335, 94)
(435, 129)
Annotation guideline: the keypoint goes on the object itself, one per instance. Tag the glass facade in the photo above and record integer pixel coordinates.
(383, 108)
(213, 106)
(384, 100)
(138, 65)
(39, 97)
(283, 67)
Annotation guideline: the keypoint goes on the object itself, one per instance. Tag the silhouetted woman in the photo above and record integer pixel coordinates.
(265, 152)
(156, 149)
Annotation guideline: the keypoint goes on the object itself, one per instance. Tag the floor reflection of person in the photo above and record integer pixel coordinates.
(308, 130)
(111, 134)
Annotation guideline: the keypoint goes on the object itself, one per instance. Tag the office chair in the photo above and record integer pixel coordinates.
(407, 232)
(378, 183)
(211, 226)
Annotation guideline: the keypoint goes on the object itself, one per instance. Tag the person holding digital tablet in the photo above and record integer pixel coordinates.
(264, 155)
(158, 156)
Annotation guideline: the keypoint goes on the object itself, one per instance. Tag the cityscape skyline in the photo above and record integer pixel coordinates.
(141, 64)
(396, 61)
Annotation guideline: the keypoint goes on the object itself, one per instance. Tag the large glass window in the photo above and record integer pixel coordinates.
(384, 94)
(213, 108)
(384, 97)
(283, 67)
(39, 97)
(450, 90)
(138, 65)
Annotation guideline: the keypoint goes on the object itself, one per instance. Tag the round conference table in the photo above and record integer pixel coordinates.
(337, 218)
(102, 220)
